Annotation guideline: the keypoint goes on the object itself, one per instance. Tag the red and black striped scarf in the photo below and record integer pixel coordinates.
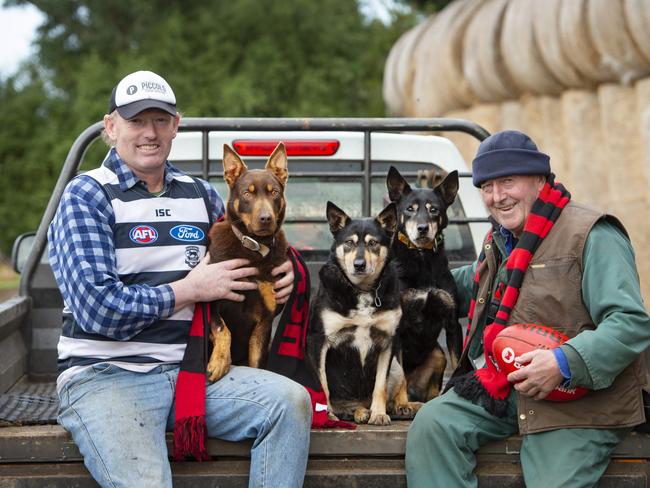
(286, 357)
(489, 386)
(190, 429)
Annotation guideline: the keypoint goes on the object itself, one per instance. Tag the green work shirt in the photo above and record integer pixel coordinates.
(612, 295)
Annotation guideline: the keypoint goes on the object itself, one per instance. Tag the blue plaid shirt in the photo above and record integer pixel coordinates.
(82, 256)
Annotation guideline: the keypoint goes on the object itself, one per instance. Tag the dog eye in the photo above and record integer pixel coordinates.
(372, 243)
(349, 243)
(247, 195)
(410, 208)
(433, 211)
(275, 192)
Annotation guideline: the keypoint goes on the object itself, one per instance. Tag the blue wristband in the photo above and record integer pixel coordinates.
(563, 363)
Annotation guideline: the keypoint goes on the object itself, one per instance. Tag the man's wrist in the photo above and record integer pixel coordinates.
(563, 364)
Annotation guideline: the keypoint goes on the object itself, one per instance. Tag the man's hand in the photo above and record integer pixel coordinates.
(284, 285)
(219, 281)
(539, 374)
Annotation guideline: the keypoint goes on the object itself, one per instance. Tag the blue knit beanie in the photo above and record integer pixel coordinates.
(507, 153)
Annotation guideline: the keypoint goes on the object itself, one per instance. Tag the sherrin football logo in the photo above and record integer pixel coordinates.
(143, 234)
(187, 233)
(508, 355)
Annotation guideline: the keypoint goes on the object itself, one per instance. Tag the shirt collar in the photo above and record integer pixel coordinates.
(125, 177)
(509, 239)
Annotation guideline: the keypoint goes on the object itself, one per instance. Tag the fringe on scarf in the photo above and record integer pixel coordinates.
(190, 437)
(468, 386)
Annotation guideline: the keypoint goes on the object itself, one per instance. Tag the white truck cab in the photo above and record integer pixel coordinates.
(331, 165)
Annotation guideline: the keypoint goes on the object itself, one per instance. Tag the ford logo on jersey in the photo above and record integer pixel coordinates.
(187, 233)
(143, 234)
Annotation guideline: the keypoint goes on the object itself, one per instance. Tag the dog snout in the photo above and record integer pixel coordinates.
(359, 264)
(265, 218)
(423, 229)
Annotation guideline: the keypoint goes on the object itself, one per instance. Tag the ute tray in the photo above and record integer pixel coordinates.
(370, 456)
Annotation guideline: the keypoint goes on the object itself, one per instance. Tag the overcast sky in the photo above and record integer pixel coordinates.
(18, 28)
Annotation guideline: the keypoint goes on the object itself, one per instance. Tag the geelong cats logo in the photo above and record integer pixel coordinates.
(192, 256)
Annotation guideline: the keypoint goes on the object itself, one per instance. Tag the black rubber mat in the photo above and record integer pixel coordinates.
(29, 403)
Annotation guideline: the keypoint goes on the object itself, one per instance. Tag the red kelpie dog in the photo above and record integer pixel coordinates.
(240, 331)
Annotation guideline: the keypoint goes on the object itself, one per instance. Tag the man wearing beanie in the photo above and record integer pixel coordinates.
(130, 284)
(550, 261)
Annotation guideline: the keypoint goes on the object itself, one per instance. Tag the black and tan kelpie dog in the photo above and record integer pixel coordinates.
(429, 296)
(240, 331)
(353, 322)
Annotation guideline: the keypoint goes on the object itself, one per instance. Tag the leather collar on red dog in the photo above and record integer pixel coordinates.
(250, 243)
(403, 238)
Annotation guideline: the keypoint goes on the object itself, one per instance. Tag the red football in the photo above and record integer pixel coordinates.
(517, 339)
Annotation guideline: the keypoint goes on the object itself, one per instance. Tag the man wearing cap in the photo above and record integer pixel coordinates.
(129, 284)
(547, 260)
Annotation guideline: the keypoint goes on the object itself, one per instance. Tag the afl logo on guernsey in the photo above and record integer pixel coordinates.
(187, 233)
(143, 234)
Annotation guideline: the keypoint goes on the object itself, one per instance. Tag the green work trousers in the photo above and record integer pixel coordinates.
(447, 431)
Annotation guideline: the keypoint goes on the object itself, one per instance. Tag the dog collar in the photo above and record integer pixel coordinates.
(403, 238)
(250, 243)
(377, 299)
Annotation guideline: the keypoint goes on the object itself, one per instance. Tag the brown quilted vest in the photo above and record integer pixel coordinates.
(551, 295)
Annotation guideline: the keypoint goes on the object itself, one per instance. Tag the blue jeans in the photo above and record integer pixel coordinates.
(118, 420)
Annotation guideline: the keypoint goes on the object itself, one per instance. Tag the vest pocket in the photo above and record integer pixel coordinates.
(551, 294)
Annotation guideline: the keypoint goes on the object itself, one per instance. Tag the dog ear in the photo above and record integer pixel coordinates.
(388, 218)
(233, 166)
(449, 187)
(278, 162)
(397, 185)
(336, 217)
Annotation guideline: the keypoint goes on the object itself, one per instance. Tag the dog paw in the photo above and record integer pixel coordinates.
(218, 368)
(332, 416)
(379, 419)
(413, 300)
(361, 415)
(441, 299)
(408, 410)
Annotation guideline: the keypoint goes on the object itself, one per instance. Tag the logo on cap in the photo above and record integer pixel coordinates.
(131, 90)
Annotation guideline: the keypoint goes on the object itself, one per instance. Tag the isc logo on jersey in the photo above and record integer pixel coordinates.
(143, 234)
(187, 233)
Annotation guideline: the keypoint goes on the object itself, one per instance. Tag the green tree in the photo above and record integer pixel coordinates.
(224, 58)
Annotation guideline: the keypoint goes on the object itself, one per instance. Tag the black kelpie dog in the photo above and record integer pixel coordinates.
(252, 229)
(429, 302)
(354, 319)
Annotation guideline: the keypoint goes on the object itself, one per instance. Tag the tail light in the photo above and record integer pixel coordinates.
(307, 147)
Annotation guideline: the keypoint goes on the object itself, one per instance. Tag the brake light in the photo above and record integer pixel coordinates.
(307, 147)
